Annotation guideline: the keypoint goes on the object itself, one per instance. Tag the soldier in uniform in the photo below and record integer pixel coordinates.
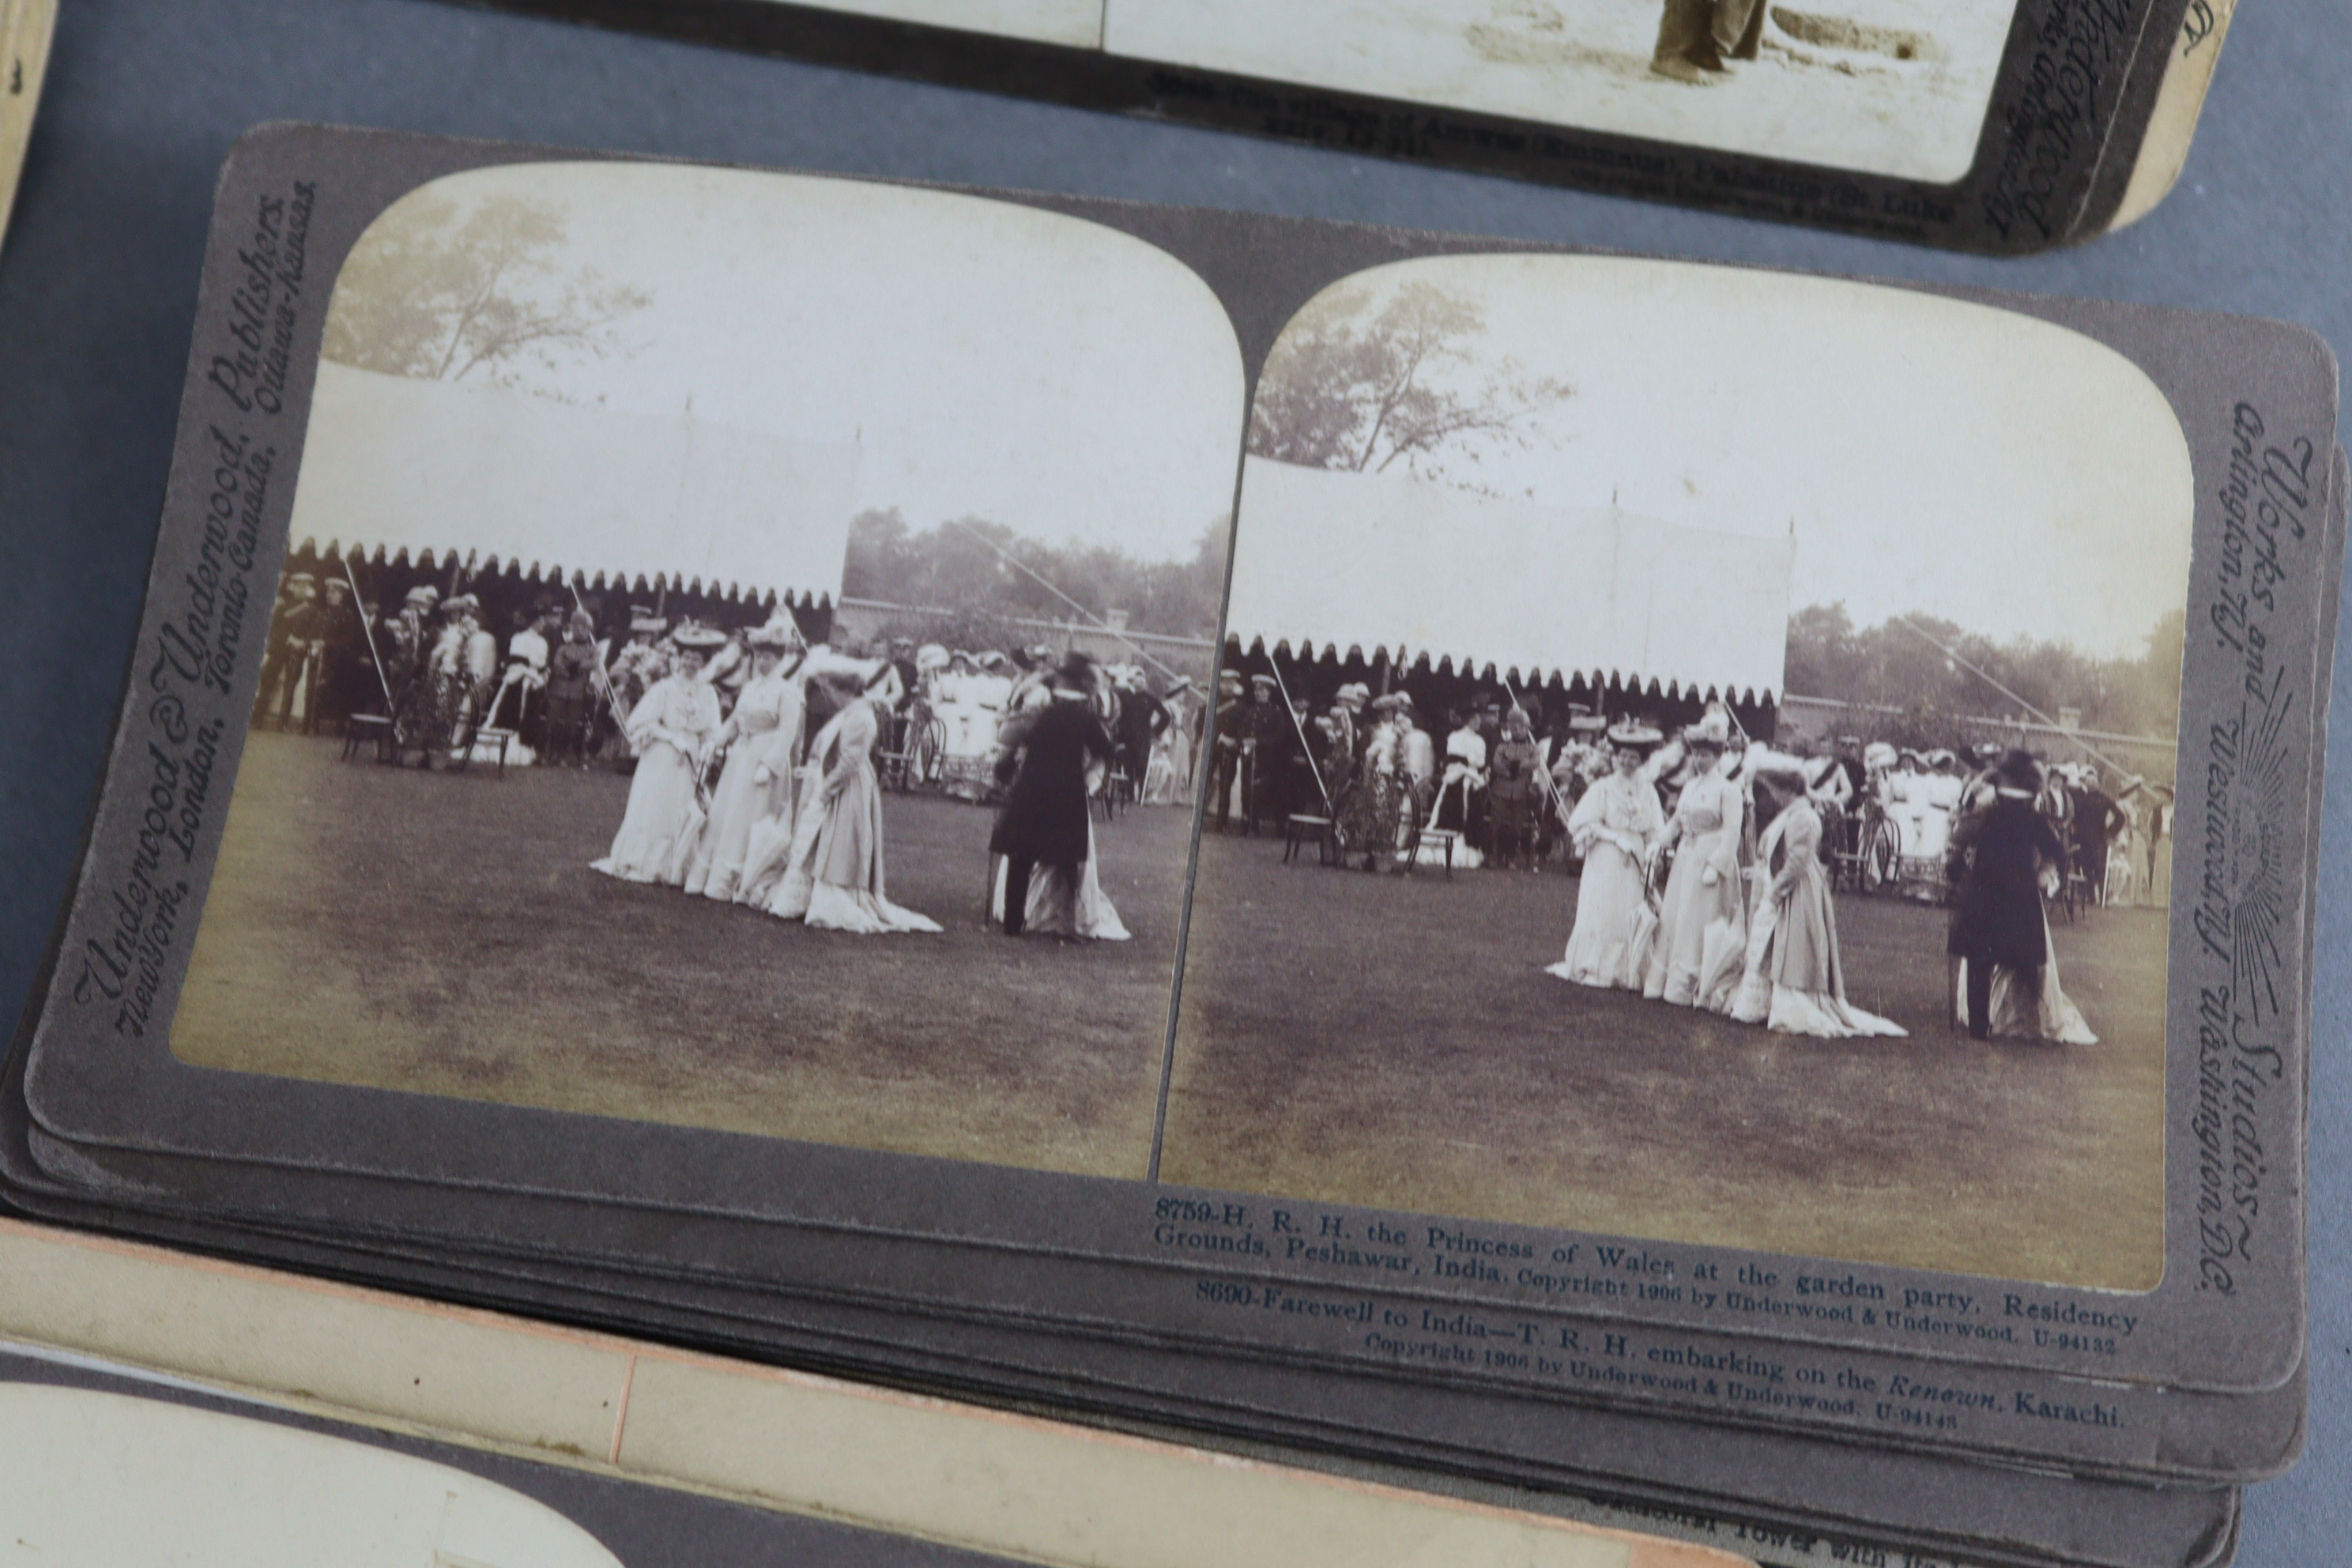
(289, 663)
(570, 687)
(1225, 760)
(1511, 793)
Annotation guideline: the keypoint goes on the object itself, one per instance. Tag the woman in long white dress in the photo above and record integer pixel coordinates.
(1794, 980)
(1616, 828)
(970, 703)
(672, 730)
(1702, 920)
(1937, 799)
(1905, 803)
(761, 739)
(833, 878)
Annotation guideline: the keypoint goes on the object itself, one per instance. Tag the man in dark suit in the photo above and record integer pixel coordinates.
(1998, 853)
(2097, 819)
(1047, 752)
(1141, 719)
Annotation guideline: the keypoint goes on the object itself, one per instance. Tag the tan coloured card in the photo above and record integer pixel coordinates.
(946, 1473)
(24, 29)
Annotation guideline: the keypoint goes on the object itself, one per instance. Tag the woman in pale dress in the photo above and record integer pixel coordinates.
(673, 730)
(1936, 796)
(1794, 978)
(1904, 803)
(761, 739)
(1616, 829)
(833, 877)
(971, 705)
(1702, 920)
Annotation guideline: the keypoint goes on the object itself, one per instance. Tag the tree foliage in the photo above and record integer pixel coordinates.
(961, 567)
(1892, 665)
(438, 291)
(1361, 384)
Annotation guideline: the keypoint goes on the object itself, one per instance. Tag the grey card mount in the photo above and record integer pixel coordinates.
(1486, 830)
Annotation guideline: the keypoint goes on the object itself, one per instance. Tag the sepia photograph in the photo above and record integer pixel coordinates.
(1899, 88)
(1694, 760)
(738, 663)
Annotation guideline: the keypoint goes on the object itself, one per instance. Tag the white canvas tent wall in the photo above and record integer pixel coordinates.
(401, 464)
(1379, 562)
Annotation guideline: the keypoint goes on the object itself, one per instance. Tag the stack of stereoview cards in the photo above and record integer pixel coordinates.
(621, 632)
(1995, 125)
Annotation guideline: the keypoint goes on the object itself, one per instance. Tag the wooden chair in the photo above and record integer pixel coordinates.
(1445, 839)
(365, 727)
(1300, 827)
(493, 736)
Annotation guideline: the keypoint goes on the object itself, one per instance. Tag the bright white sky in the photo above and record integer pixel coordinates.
(1930, 455)
(992, 361)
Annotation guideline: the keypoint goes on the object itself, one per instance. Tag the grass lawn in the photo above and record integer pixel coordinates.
(443, 933)
(1394, 1042)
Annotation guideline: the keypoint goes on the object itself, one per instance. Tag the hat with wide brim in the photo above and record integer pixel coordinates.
(779, 631)
(1778, 769)
(701, 639)
(648, 626)
(2018, 772)
(424, 594)
(1630, 735)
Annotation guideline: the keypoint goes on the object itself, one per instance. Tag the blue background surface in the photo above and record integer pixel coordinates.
(145, 97)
